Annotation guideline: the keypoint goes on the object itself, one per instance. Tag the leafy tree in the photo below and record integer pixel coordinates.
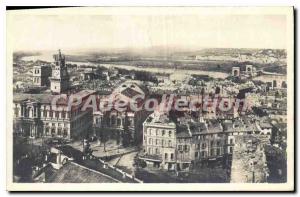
(103, 135)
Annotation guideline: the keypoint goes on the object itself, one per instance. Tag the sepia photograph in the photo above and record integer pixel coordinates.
(150, 99)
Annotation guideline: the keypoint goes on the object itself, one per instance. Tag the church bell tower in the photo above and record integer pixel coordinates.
(60, 77)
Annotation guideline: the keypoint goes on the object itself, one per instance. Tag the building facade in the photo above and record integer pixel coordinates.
(159, 142)
(35, 116)
(178, 146)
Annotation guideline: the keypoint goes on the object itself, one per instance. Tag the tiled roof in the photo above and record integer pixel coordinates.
(130, 93)
(198, 128)
(41, 98)
(74, 173)
(182, 131)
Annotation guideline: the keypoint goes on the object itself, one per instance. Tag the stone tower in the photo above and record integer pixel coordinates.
(60, 77)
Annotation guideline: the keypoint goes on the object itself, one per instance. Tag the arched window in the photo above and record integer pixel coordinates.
(274, 83)
(47, 131)
(52, 131)
(59, 131)
(235, 73)
(283, 84)
(113, 120)
(119, 122)
(65, 133)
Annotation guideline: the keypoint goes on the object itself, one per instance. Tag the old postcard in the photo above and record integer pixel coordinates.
(150, 99)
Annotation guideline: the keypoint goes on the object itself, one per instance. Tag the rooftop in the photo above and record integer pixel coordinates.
(75, 173)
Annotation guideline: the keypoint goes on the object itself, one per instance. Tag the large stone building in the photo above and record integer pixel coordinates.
(177, 146)
(159, 141)
(35, 116)
(60, 77)
(114, 119)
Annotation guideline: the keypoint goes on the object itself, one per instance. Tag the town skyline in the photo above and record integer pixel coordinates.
(151, 95)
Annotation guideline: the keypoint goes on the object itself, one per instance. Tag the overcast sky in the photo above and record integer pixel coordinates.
(50, 32)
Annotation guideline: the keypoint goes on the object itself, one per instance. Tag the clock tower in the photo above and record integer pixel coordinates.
(60, 77)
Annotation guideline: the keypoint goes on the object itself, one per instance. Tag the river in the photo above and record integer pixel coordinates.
(49, 58)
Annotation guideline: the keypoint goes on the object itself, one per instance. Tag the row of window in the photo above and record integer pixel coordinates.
(55, 114)
(167, 143)
(159, 132)
(213, 152)
(184, 148)
(36, 79)
(32, 112)
(36, 71)
(54, 124)
(59, 131)
(204, 137)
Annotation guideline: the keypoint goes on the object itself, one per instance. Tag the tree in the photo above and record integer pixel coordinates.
(103, 137)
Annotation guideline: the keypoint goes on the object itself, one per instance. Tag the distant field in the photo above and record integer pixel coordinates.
(161, 62)
(216, 66)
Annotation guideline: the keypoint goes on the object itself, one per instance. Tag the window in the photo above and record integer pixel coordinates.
(156, 142)
(180, 147)
(59, 131)
(65, 132)
(203, 146)
(150, 141)
(172, 156)
(185, 147)
(119, 121)
(218, 152)
(47, 131)
(63, 114)
(51, 114)
(231, 141)
(218, 143)
(196, 154)
(211, 143)
(16, 111)
(230, 149)
(162, 142)
(166, 155)
(163, 132)
(202, 154)
(170, 143)
(156, 151)
(170, 133)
